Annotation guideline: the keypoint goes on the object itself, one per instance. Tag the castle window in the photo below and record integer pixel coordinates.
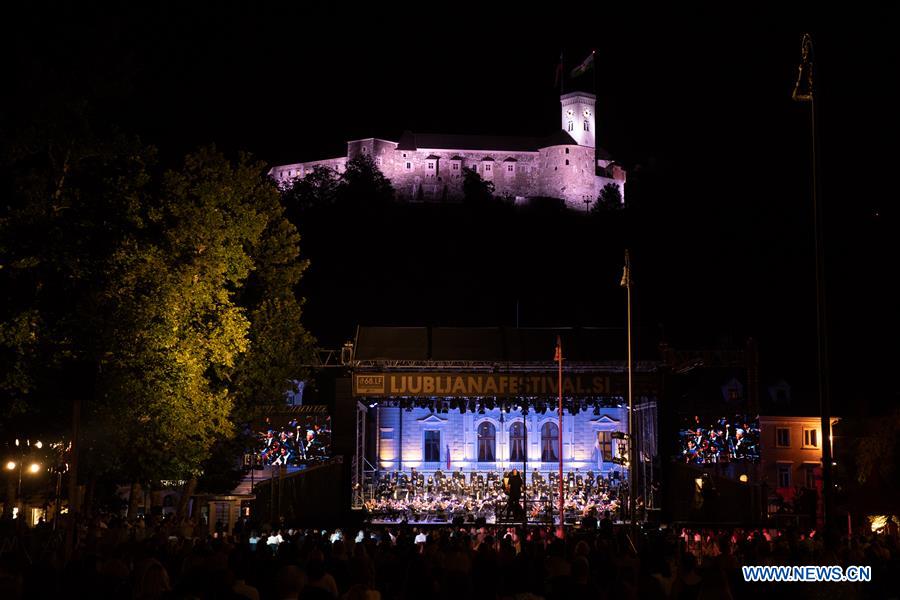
(567, 150)
(571, 125)
(431, 165)
(509, 168)
(567, 162)
(587, 125)
(487, 167)
(404, 155)
(408, 165)
(456, 166)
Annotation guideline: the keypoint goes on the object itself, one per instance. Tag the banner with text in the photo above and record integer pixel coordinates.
(496, 384)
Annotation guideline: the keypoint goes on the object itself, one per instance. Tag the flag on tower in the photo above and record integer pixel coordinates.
(559, 71)
(586, 64)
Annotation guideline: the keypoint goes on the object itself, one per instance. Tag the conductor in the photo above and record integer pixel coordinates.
(514, 485)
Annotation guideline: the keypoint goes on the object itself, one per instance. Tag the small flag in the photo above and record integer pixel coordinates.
(626, 272)
(557, 356)
(559, 71)
(586, 64)
(803, 89)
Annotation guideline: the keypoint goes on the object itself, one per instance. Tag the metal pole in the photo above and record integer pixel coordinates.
(525, 465)
(804, 91)
(562, 515)
(631, 462)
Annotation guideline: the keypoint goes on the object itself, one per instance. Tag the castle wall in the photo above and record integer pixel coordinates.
(442, 177)
(567, 172)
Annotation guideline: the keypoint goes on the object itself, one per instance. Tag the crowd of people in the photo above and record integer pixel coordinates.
(721, 441)
(477, 496)
(169, 559)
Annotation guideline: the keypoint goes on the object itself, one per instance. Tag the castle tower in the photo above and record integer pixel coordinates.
(578, 117)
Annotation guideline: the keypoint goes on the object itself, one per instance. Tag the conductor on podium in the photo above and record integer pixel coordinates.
(514, 485)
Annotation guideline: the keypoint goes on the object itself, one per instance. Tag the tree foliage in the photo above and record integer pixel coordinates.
(610, 199)
(476, 191)
(163, 299)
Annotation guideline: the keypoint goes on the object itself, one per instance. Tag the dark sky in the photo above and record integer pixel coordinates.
(697, 102)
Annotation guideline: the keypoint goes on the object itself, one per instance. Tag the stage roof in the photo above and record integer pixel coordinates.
(494, 344)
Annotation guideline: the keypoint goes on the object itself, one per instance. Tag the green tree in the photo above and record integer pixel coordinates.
(363, 184)
(610, 199)
(318, 189)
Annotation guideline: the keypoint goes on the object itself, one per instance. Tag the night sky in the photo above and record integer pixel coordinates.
(696, 105)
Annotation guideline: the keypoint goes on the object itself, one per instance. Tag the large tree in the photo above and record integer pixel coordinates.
(158, 299)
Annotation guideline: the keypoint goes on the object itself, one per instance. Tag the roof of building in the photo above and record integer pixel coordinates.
(413, 141)
(490, 344)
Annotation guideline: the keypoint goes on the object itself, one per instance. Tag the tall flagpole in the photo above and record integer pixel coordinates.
(626, 283)
(804, 92)
(562, 514)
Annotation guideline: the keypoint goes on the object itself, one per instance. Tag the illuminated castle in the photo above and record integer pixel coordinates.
(429, 167)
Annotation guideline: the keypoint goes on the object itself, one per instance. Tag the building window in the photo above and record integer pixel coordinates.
(571, 125)
(487, 167)
(782, 437)
(404, 155)
(487, 442)
(431, 165)
(604, 445)
(509, 168)
(567, 162)
(549, 442)
(733, 395)
(365, 150)
(517, 442)
(810, 438)
(432, 446)
(387, 434)
(456, 166)
(784, 476)
(587, 126)
(810, 473)
(408, 166)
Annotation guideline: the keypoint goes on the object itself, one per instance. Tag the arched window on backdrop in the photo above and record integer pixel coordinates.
(487, 442)
(549, 442)
(516, 442)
